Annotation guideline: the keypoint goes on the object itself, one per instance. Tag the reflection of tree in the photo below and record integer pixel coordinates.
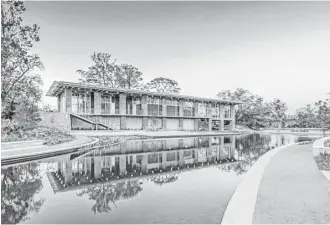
(106, 194)
(165, 178)
(19, 184)
(239, 168)
(253, 145)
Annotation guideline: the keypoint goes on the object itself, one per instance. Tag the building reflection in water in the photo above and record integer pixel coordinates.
(111, 173)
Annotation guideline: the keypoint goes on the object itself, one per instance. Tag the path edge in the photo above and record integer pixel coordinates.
(240, 208)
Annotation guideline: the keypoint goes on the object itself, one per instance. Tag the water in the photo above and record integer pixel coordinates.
(181, 180)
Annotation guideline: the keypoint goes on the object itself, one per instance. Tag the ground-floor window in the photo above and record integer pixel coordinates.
(81, 103)
(105, 104)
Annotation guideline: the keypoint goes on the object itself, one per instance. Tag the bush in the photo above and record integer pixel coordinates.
(323, 161)
(11, 131)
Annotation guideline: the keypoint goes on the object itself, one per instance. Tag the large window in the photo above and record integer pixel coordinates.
(153, 106)
(105, 104)
(202, 112)
(172, 108)
(215, 110)
(188, 109)
(227, 111)
(81, 103)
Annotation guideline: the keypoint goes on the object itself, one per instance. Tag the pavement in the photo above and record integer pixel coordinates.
(25, 151)
(293, 190)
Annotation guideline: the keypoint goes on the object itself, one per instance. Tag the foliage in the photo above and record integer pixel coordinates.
(19, 184)
(19, 88)
(47, 108)
(254, 112)
(323, 161)
(129, 77)
(106, 72)
(163, 85)
(12, 131)
(314, 116)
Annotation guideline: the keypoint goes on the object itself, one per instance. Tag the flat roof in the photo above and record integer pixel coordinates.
(59, 86)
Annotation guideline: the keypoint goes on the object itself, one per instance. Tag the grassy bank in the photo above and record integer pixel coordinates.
(50, 135)
(323, 161)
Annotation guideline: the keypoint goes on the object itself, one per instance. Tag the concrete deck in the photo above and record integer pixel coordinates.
(25, 151)
(293, 190)
(154, 134)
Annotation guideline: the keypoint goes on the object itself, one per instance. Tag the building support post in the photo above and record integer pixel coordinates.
(97, 103)
(68, 100)
(233, 117)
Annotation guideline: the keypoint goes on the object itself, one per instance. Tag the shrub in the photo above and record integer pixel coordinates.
(11, 131)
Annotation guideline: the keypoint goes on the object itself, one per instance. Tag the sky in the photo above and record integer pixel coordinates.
(273, 49)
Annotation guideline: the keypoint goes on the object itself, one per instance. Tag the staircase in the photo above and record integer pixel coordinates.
(94, 125)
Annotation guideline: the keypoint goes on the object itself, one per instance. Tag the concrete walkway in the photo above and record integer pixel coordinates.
(293, 190)
(154, 134)
(14, 152)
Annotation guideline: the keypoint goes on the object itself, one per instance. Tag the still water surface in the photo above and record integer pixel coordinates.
(181, 180)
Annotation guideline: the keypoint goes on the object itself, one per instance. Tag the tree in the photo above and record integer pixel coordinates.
(163, 85)
(17, 63)
(129, 77)
(323, 114)
(277, 112)
(253, 113)
(103, 71)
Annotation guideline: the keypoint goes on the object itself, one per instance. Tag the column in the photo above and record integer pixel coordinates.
(144, 163)
(180, 123)
(222, 147)
(233, 147)
(68, 100)
(196, 121)
(67, 173)
(222, 122)
(181, 108)
(97, 167)
(122, 164)
(59, 103)
(122, 104)
(233, 117)
(164, 106)
(123, 122)
(210, 124)
(97, 102)
(164, 159)
(144, 105)
(164, 123)
(196, 109)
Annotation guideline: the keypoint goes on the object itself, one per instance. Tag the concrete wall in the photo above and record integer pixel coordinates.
(172, 124)
(113, 121)
(54, 119)
(134, 123)
(188, 124)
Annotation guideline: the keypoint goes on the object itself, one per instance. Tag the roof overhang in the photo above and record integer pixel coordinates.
(59, 86)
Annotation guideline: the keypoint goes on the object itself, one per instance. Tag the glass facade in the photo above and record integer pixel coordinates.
(81, 103)
(108, 104)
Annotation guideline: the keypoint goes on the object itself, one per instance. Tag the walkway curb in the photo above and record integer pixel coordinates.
(240, 208)
(45, 154)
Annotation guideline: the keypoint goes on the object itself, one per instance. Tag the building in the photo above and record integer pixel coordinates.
(91, 107)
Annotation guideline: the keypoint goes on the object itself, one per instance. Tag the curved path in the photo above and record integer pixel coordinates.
(35, 150)
(292, 189)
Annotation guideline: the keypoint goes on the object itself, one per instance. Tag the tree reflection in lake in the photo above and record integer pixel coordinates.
(19, 184)
(104, 195)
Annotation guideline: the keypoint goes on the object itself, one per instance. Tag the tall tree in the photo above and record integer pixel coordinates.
(163, 85)
(17, 64)
(253, 113)
(129, 77)
(103, 71)
(277, 112)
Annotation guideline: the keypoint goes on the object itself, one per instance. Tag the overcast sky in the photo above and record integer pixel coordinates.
(274, 49)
